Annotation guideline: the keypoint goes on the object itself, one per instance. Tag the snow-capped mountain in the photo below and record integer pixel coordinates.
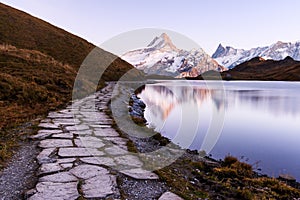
(230, 57)
(162, 57)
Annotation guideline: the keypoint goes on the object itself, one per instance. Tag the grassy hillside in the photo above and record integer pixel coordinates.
(27, 32)
(38, 65)
(270, 70)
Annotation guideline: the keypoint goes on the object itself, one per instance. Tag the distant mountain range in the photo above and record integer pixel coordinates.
(258, 68)
(162, 57)
(230, 57)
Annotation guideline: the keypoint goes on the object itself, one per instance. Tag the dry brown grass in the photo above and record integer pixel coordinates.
(38, 66)
(232, 179)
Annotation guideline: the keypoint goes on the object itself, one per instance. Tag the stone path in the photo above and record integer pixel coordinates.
(81, 153)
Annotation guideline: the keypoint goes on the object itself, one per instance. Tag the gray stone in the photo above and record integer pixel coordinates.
(81, 133)
(49, 168)
(48, 126)
(139, 173)
(115, 150)
(99, 161)
(169, 196)
(88, 171)
(104, 132)
(62, 123)
(55, 115)
(99, 186)
(61, 177)
(67, 121)
(56, 191)
(42, 134)
(65, 160)
(66, 165)
(47, 120)
(52, 131)
(79, 152)
(89, 141)
(77, 128)
(99, 126)
(44, 156)
(48, 143)
(63, 135)
(66, 110)
(128, 160)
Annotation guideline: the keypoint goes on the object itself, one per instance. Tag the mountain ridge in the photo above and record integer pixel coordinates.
(259, 69)
(231, 57)
(162, 57)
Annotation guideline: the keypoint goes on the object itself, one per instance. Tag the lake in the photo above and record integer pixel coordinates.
(258, 122)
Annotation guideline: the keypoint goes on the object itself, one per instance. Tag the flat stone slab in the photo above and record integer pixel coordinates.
(56, 191)
(55, 115)
(89, 141)
(99, 186)
(99, 161)
(139, 173)
(42, 134)
(61, 177)
(66, 165)
(52, 131)
(63, 135)
(79, 152)
(169, 196)
(88, 171)
(48, 126)
(44, 156)
(65, 160)
(58, 165)
(49, 143)
(115, 150)
(82, 132)
(50, 168)
(77, 128)
(100, 126)
(104, 132)
(68, 121)
(128, 160)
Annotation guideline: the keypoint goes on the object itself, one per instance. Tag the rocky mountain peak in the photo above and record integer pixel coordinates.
(219, 52)
(163, 41)
(162, 57)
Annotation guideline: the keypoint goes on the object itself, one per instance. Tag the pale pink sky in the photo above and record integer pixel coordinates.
(242, 24)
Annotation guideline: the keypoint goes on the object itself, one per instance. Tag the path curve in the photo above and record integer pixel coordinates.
(83, 156)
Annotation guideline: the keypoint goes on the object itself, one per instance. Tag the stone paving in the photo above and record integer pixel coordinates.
(81, 153)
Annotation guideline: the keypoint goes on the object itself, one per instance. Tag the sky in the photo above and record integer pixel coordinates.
(241, 24)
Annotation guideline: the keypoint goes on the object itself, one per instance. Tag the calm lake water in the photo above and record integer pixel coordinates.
(258, 122)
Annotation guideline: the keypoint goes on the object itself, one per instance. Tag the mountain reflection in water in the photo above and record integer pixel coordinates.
(261, 122)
